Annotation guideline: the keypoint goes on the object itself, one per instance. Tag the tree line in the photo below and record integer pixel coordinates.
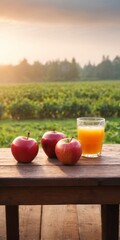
(60, 71)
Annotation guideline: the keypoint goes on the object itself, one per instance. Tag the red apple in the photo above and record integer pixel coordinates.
(24, 149)
(68, 151)
(49, 140)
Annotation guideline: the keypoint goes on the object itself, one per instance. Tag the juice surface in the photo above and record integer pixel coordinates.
(91, 139)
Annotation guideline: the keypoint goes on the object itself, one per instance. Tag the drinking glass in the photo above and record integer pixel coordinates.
(91, 131)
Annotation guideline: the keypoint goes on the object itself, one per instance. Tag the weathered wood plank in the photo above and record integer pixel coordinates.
(89, 222)
(50, 172)
(30, 217)
(2, 223)
(60, 222)
(59, 195)
(60, 176)
(81, 221)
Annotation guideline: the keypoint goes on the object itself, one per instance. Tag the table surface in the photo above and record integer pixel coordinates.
(46, 181)
(102, 171)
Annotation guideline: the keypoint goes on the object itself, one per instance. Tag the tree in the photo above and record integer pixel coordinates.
(105, 69)
(116, 67)
(74, 70)
(23, 71)
(37, 71)
(89, 71)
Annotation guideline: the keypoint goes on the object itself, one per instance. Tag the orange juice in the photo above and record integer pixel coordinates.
(91, 139)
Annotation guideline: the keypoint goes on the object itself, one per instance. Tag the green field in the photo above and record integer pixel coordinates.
(41, 107)
(60, 100)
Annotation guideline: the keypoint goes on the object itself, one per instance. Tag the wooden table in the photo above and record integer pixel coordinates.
(47, 181)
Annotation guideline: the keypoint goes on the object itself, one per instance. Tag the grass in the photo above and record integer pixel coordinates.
(10, 129)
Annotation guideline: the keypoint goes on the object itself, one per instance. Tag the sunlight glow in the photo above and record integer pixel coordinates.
(44, 42)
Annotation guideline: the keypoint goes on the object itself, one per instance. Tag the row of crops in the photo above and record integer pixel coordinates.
(60, 100)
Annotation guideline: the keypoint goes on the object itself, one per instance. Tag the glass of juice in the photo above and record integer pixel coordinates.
(91, 135)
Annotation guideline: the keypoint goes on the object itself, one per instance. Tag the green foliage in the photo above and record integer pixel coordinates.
(112, 132)
(1, 110)
(60, 100)
(24, 109)
(56, 106)
(106, 109)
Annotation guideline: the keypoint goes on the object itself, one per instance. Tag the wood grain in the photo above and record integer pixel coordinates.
(102, 171)
(89, 222)
(73, 222)
(59, 195)
(30, 221)
(60, 222)
(2, 223)
(60, 176)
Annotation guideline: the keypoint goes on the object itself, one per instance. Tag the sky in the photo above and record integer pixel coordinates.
(44, 30)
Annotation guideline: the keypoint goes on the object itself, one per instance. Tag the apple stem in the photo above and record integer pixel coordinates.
(69, 140)
(28, 135)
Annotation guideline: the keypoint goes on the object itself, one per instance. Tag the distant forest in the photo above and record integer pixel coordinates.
(58, 70)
